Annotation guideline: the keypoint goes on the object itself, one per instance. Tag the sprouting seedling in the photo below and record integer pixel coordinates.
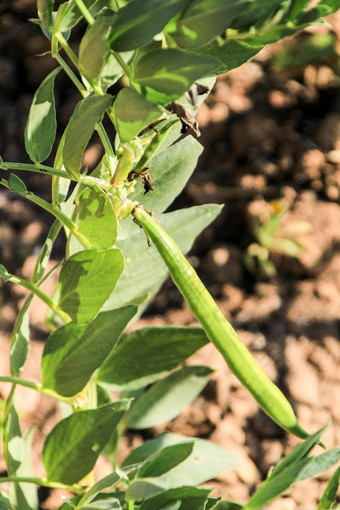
(273, 234)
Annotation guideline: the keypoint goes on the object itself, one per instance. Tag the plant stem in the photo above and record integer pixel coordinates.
(123, 65)
(65, 220)
(71, 74)
(85, 12)
(40, 294)
(22, 382)
(131, 504)
(35, 386)
(66, 47)
(83, 179)
(43, 482)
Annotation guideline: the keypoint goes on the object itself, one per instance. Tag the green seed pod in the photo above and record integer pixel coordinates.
(218, 329)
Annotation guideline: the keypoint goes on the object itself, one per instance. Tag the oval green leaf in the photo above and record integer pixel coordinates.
(45, 8)
(97, 220)
(142, 355)
(79, 130)
(73, 352)
(165, 399)
(86, 281)
(166, 459)
(189, 498)
(93, 49)
(170, 171)
(41, 124)
(132, 112)
(163, 75)
(138, 22)
(206, 461)
(203, 20)
(73, 446)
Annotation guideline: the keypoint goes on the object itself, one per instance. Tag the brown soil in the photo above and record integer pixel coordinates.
(268, 137)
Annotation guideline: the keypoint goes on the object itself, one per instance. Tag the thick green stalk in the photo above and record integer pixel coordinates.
(43, 482)
(36, 291)
(88, 180)
(85, 12)
(57, 213)
(218, 329)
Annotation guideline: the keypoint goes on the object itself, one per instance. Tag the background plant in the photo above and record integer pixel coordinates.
(124, 43)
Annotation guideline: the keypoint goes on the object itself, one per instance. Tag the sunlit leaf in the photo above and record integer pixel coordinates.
(166, 398)
(79, 130)
(132, 112)
(73, 446)
(138, 22)
(86, 281)
(97, 220)
(163, 75)
(73, 352)
(142, 355)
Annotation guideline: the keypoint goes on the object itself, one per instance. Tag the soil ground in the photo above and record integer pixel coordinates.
(272, 143)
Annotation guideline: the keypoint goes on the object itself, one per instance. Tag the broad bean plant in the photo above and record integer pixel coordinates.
(162, 57)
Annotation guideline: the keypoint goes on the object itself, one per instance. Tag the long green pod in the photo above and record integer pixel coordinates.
(218, 329)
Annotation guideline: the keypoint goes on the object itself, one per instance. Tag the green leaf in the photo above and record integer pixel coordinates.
(296, 7)
(69, 15)
(163, 75)
(41, 124)
(14, 440)
(327, 7)
(206, 461)
(138, 22)
(132, 112)
(182, 225)
(277, 32)
(203, 20)
(170, 171)
(5, 275)
(86, 281)
(92, 492)
(5, 503)
(45, 8)
(111, 70)
(20, 338)
(80, 128)
(231, 54)
(142, 355)
(305, 468)
(299, 453)
(329, 495)
(258, 12)
(166, 459)
(226, 504)
(72, 353)
(144, 488)
(93, 49)
(106, 504)
(24, 496)
(97, 220)
(190, 498)
(73, 446)
(16, 184)
(165, 399)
